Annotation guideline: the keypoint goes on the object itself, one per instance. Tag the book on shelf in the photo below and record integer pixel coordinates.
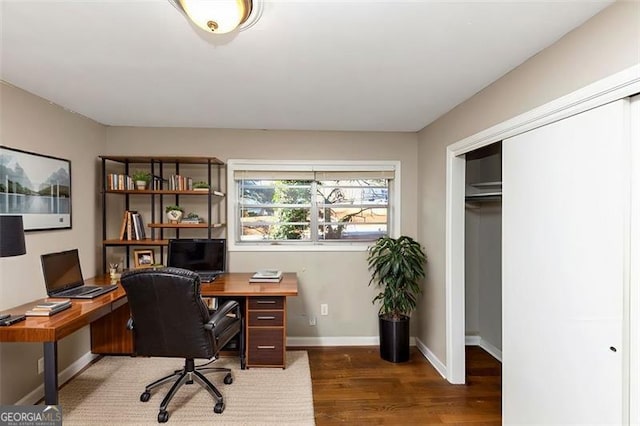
(123, 226)
(46, 310)
(132, 226)
(119, 182)
(138, 226)
(266, 276)
(158, 182)
(180, 183)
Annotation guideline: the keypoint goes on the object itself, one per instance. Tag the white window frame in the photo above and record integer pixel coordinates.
(309, 165)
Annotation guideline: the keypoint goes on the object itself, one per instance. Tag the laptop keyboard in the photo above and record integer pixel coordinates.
(86, 290)
(78, 291)
(207, 278)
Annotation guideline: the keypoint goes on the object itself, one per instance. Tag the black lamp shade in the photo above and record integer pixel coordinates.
(11, 236)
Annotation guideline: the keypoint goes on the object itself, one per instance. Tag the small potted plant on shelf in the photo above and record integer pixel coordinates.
(192, 218)
(397, 268)
(174, 213)
(141, 178)
(201, 186)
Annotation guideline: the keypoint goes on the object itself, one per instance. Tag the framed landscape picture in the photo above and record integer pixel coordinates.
(36, 186)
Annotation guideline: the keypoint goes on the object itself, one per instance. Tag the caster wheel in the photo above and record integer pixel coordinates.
(163, 416)
(218, 408)
(228, 379)
(144, 397)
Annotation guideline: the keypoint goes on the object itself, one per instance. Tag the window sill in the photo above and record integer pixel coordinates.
(364, 246)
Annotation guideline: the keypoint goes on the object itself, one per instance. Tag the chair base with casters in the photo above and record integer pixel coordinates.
(188, 375)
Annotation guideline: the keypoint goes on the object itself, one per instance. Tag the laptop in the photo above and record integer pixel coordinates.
(206, 257)
(63, 277)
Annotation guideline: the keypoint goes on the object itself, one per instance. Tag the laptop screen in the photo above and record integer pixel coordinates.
(61, 270)
(198, 255)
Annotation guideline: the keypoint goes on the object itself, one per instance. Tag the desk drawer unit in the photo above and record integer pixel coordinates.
(266, 331)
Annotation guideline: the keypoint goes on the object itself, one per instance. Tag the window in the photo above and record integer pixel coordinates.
(311, 204)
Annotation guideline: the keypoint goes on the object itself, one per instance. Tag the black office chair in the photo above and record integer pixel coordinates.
(170, 319)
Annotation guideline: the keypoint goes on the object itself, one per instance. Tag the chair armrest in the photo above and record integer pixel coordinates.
(228, 307)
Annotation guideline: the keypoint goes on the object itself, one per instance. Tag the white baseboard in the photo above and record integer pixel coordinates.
(495, 352)
(432, 358)
(472, 340)
(64, 376)
(479, 341)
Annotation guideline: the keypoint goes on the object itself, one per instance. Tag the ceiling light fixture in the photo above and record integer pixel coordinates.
(219, 16)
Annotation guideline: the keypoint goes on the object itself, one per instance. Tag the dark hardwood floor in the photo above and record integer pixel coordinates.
(352, 385)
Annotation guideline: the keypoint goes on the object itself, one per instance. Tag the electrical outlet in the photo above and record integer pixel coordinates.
(324, 309)
(312, 321)
(40, 365)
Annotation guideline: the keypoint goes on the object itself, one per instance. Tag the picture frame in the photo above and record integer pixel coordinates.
(36, 186)
(143, 259)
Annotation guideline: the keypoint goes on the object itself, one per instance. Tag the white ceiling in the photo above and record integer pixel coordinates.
(314, 65)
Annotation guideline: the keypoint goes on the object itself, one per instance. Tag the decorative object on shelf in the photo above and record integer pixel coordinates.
(174, 213)
(37, 186)
(143, 258)
(113, 272)
(142, 179)
(192, 218)
(397, 268)
(201, 186)
(222, 16)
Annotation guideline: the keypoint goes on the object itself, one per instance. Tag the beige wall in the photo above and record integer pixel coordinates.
(604, 45)
(337, 278)
(33, 124)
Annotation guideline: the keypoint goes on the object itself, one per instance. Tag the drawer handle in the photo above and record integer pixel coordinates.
(266, 347)
(267, 318)
(265, 302)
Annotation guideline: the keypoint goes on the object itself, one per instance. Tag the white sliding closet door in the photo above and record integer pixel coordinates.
(565, 222)
(635, 264)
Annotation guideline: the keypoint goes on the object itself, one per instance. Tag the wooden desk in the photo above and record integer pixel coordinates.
(49, 330)
(108, 314)
(264, 308)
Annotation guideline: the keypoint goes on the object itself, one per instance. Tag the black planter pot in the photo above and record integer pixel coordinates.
(394, 339)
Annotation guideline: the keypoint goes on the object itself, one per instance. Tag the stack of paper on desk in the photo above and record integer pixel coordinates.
(266, 276)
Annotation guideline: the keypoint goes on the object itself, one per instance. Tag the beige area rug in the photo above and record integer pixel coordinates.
(108, 392)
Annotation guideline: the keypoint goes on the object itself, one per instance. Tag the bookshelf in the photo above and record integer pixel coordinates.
(172, 184)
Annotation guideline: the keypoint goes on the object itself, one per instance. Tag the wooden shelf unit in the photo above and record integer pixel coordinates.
(156, 221)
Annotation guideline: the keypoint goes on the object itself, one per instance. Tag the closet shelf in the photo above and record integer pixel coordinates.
(485, 191)
(496, 184)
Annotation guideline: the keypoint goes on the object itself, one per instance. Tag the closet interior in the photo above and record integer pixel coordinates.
(483, 233)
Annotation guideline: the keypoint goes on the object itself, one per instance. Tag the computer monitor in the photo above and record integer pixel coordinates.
(199, 255)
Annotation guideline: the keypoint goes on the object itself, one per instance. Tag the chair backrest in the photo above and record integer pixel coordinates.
(168, 313)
